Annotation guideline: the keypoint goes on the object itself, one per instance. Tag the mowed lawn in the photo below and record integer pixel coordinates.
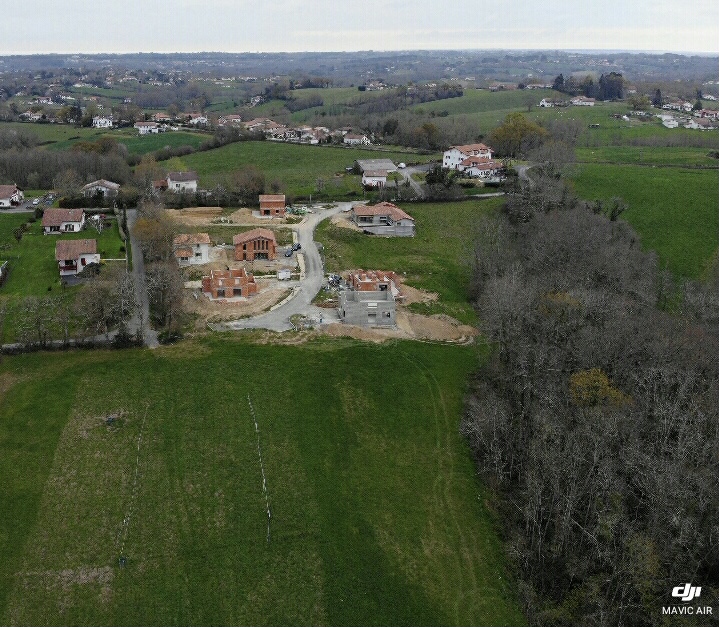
(377, 517)
(438, 259)
(295, 167)
(674, 210)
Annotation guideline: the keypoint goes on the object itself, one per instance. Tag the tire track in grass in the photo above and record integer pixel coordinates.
(444, 502)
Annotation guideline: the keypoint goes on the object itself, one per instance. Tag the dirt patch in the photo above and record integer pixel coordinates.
(343, 221)
(83, 575)
(410, 326)
(7, 381)
(205, 310)
(209, 216)
(413, 295)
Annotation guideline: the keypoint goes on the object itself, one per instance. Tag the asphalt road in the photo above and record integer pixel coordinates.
(310, 285)
(141, 319)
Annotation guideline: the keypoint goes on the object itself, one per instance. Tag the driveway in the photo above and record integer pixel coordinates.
(406, 174)
(301, 303)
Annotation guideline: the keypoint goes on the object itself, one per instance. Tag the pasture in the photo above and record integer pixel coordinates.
(296, 168)
(152, 457)
(673, 209)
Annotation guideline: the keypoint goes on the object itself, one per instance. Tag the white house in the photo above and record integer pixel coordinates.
(351, 139)
(182, 181)
(191, 248)
(102, 187)
(197, 118)
(100, 121)
(145, 128)
(669, 121)
(546, 102)
(374, 178)
(582, 101)
(10, 195)
(486, 169)
(453, 157)
(74, 255)
(56, 221)
(229, 120)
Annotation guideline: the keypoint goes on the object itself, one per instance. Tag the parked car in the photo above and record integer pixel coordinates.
(402, 165)
(296, 246)
(288, 252)
(36, 202)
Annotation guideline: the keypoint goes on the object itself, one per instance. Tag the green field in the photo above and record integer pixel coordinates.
(437, 259)
(54, 133)
(656, 155)
(377, 516)
(674, 210)
(295, 167)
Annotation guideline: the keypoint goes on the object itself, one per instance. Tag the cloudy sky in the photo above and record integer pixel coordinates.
(37, 26)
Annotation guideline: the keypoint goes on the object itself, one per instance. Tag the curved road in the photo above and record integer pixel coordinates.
(301, 302)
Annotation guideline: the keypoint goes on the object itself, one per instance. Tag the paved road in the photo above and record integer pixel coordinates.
(301, 303)
(406, 174)
(141, 319)
(523, 176)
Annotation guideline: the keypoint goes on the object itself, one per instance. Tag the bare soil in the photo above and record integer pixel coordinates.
(343, 221)
(206, 216)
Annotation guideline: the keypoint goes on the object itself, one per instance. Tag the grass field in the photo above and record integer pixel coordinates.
(656, 155)
(377, 518)
(296, 167)
(675, 210)
(437, 259)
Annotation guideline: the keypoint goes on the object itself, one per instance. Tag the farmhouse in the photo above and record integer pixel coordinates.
(55, 221)
(10, 195)
(101, 121)
(255, 244)
(481, 168)
(229, 284)
(366, 165)
(100, 187)
(583, 101)
(351, 139)
(374, 308)
(272, 205)
(374, 178)
(229, 120)
(191, 248)
(453, 157)
(383, 219)
(182, 182)
(145, 128)
(74, 255)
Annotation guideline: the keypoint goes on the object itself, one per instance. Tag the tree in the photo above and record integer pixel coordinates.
(657, 100)
(154, 231)
(516, 136)
(558, 84)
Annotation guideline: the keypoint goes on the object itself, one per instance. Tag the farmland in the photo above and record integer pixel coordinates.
(376, 514)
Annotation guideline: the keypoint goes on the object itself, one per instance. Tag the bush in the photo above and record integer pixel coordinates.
(169, 336)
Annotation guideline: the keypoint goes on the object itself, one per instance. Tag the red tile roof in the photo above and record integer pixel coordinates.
(74, 248)
(190, 239)
(55, 217)
(7, 190)
(241, 238)
(382, 209)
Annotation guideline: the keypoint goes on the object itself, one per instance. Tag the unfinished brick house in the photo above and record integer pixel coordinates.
(373, 281)
(255, 244)
(272, 205)
(229, 284)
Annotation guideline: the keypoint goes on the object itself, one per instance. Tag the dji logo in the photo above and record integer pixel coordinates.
(687, 592)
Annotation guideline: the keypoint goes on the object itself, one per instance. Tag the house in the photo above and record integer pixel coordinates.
(374, 178)
(161, 117)
(583, 101)
(456, 154)
(373, 281)
(197, 118)
(145, 128)
(352, 139)
(182, 182)
(229, 120)
(229, 284)
(74, 255)
(383, 219)
(272, 205)
(365, 165)
(480, 167)
(376, 308)
(255, 244)
(101, 187)
(10, 195)
(191, 248)
(56, 221)
(101, 121)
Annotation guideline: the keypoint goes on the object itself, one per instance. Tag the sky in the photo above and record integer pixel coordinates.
(89, 26)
